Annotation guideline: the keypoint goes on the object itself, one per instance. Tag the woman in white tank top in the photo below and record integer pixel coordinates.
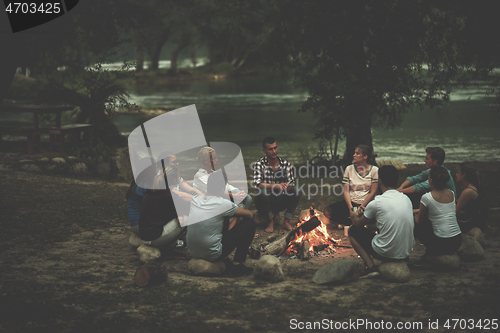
(436, 226)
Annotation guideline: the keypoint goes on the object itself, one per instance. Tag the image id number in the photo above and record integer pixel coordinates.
(485, 324)
(32, 8)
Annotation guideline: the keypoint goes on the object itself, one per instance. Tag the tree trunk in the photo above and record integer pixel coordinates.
(102, 126)
(155, 56)
(242, 61)
(193, 58)
(337, 137)
(140, 57)
(175, 55)
(359, 133)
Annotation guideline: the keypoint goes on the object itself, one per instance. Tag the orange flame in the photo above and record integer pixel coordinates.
(317, 236)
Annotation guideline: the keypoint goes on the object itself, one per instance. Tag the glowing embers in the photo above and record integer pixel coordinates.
(311, 238)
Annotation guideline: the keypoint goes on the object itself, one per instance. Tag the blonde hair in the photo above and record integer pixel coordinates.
(204, 154)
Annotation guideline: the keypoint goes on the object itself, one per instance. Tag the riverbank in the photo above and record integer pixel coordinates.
(67, 266)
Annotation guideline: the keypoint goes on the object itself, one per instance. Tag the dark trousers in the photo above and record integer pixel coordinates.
(240, 237)
(266, 202)
(435, 245)
(339, 212)
(364, 238)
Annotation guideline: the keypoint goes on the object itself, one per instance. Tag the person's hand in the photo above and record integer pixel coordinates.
(240, 196)
(283, 186)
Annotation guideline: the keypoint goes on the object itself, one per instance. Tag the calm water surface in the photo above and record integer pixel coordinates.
(245, 110)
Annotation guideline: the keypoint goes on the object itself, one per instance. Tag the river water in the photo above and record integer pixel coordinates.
(245, 110)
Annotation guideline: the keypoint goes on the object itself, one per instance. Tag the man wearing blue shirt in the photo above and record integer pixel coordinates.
(414, 187)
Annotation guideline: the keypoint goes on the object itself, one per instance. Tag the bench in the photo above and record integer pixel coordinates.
(57, 133)
(31, 133)
(396, 163)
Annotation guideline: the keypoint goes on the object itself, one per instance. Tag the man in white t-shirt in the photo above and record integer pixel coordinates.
(394, 218)
(210, 236)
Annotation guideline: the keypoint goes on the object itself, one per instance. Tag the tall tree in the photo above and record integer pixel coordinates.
(368, 62)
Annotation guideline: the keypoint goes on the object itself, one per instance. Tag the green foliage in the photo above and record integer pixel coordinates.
(97, 94)
(223, 67)
(368, 63)
(91, 154)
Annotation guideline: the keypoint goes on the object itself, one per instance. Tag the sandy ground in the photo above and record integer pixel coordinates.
(97, 258)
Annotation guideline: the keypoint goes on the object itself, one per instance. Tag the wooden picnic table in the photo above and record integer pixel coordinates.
(38, 110)
(33, 133)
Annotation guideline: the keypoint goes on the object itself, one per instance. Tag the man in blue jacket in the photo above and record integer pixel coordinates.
(414, 187)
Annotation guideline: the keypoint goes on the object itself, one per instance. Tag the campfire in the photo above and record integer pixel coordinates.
(309, 237)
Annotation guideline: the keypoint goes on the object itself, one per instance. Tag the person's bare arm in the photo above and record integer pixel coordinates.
(185, 187)
(183, 195)
(359, 220)
(405, 184)
(371, 195)
(406, 190)
(241, 212)
(347, 196)
(422, 214)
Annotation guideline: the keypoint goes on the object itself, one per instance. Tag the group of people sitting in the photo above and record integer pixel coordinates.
(215, 225)
(440, 221)
(217, 219)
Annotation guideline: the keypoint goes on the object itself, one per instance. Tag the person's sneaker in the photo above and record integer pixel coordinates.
(239, 270)
(370, 273)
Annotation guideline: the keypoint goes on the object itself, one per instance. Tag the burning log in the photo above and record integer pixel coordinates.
(281, 244)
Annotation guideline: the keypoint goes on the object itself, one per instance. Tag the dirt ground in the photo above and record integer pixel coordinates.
(66, 265)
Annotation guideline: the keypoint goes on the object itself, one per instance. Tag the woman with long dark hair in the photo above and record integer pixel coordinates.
(472, 206)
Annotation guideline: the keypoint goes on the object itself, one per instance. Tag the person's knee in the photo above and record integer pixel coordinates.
(248, 224)
(352, 231)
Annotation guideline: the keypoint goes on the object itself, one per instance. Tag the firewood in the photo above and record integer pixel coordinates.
(281, 244)
(152, 273)
(305, 254)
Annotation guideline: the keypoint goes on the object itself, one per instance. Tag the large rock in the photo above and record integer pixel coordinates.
(31, 168)
(103, 169)
(79, 168)
(477, 234)
(470, 250)
(268, 268)
(395, 271)
(135, 240)
(339, 272)
(206, 268)
(444, 262)
(58, 160)
(148, 253)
